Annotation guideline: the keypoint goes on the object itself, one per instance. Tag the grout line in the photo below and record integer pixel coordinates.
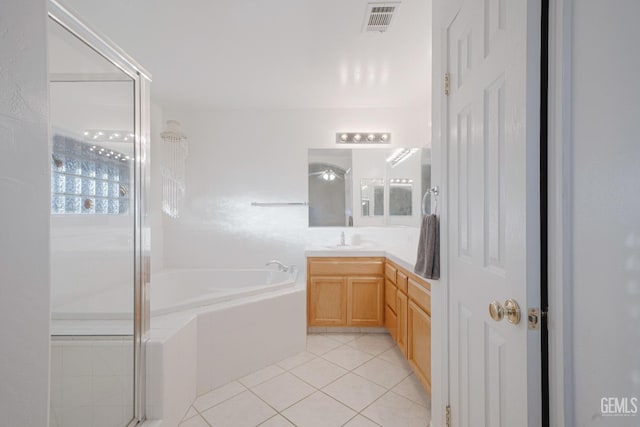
(222, 401)
(198, 415)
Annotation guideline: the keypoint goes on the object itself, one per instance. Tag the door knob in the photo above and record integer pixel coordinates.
(510, 310)
(496, 311)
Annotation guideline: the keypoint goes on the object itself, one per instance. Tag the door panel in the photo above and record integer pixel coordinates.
(493, 215)
(419, 343)
(327, 301)
(366, 301)
(402, 322)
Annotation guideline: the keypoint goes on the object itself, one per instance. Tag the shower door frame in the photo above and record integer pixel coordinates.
(141, 250)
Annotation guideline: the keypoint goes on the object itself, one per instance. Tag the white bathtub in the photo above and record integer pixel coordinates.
(176, 290)
(210, 327)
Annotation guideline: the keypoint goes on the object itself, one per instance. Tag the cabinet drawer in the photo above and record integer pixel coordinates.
(402, 281)
(390, 294)
(420, 295)
(346, 266)
(390, 272)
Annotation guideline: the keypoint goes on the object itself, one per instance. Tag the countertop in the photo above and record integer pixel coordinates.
(403, 257)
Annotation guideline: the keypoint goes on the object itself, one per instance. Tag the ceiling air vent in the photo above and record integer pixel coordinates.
(379, 16)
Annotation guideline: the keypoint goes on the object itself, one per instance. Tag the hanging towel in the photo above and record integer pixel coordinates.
(428, 261)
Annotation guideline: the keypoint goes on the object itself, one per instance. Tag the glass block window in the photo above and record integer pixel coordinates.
(88, 179)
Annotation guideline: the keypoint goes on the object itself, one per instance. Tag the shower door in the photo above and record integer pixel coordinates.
(98, 100)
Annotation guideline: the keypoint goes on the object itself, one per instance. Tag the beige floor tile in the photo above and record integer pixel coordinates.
(412, 389)
(319, 344)
(393, 410)
(373, 343)
(382, 372)
(196, 421)
(190, 413)
(354, 391)
(212, 398)
(318, 410)
(360, 421)
(395, 356)
(277, 421)
(242, 410)
(283, 391)
(343, 337)
(319, 372)
(261, 376)
(297, 360)
(347, 357)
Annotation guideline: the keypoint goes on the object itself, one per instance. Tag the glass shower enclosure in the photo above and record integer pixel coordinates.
(99, 234)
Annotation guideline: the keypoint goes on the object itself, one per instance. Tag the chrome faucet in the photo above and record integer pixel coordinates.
(281, 266)
(342, 239)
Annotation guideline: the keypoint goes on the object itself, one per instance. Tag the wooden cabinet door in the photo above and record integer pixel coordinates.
(365, 301)
(401, 311)
(327, 297)
(390, 294)
(390, 322)
(419, 343)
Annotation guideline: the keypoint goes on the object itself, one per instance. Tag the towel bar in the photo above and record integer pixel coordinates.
(435, 191)
(277, 204)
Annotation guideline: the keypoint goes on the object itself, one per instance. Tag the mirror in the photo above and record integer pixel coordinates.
(372, 197)
(387, 185)
(400, 196)
(330, 200)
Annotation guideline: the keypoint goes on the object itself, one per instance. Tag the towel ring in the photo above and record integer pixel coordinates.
(435, 191)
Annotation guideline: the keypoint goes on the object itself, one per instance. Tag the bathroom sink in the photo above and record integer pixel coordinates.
(344, 247)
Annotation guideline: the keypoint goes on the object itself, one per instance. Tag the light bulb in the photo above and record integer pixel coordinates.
(344, 137)
(86, 133)
(371, 137)
(357, 137)
(384, 137)
(325, 176)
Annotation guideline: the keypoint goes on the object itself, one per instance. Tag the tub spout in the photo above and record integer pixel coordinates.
(281, 266)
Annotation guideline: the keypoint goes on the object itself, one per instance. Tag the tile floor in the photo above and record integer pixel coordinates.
(342, 379)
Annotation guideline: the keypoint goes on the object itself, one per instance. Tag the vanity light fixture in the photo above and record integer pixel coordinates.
(400, 155)
(363, 138)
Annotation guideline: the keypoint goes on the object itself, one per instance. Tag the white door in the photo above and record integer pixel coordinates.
(493, 215)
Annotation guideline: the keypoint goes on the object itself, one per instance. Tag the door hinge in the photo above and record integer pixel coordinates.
(447, 78)
(448, 416)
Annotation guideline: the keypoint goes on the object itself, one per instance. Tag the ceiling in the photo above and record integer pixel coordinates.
(271, 54)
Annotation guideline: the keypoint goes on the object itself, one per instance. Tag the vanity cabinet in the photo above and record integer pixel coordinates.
(408, 318)
(327, 300)
(345, 291)
(373, 291)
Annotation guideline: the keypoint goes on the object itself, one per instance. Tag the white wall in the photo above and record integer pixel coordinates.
(240, 156)
(605, 208)
(24, 235)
